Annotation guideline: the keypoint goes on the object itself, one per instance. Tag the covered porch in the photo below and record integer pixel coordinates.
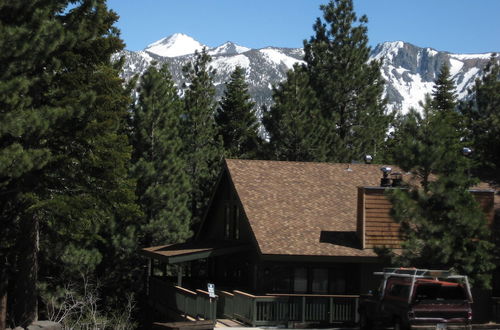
(251, 289)
(192, 265)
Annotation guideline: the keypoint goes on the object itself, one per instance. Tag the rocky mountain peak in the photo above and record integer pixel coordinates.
(175, 45)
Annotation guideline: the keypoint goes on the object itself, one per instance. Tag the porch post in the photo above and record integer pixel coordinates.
(179, 274)
(148, 275)
(254, 279)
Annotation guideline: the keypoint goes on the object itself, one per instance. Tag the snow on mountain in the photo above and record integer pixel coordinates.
(387, 51)
(228, 48)
(409, 71)
(276, 57)
(176, 45)
(228, 64)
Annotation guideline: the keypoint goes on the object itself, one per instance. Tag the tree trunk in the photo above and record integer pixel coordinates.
(3, 308)
(24, 299)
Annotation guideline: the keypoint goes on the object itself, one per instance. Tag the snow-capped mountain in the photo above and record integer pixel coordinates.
(409, 71)
(176, 45)
(228, 48)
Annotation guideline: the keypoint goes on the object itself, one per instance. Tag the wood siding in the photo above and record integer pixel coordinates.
(360, 225)
(379, 227)
(375, 226)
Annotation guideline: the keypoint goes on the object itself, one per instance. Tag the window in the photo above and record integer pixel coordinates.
(231, 221)
(300, 280)
(338, 279)
(440, 292)
(282, 279)
(320, 280)
(400, 290)
(236, 222)
(227, 221)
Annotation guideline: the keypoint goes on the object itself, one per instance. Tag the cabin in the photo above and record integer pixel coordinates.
(283, 243)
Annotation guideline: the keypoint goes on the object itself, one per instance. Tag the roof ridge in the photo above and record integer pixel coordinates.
(303, 162)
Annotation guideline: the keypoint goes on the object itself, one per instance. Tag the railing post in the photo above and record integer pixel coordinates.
(254, 312)
(185, 305)
(303, 316)
(179, 274)
(356, 313)
(148, 276)
(331, 309)
(213, 309)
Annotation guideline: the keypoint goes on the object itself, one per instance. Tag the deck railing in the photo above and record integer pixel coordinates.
(190, 303)
(271, 310)
(225, 305)
(267, 310)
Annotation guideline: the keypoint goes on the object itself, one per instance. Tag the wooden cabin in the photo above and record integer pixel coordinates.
(277, 230)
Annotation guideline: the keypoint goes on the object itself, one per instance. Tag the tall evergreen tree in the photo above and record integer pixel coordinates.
(482, 117)
(163, 186)
(443, 92)
(441, 223)
(236, 119)
(203, 151)
(293, 123)
(349, 87)
(65, 173)
(426, 142)
(32, 35)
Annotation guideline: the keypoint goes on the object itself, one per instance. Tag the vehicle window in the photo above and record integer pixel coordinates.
(399, 290)
(439, 292)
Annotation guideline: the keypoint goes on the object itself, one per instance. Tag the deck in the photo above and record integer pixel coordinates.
(268, 310)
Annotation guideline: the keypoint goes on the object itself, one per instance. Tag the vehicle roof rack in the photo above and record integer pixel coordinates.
(414, 273)
(419, 273)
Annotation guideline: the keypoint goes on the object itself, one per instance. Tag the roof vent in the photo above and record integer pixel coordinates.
(466, 151)
(385, 181)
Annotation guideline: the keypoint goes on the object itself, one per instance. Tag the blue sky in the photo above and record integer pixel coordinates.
(457, 26)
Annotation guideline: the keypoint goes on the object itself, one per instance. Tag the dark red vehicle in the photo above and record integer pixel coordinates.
(412, 297)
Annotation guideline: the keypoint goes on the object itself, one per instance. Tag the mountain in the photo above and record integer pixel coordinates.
(228, 48)
(176, 45)
(409, 71)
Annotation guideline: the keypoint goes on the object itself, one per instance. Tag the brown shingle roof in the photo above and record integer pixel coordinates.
(300, 208)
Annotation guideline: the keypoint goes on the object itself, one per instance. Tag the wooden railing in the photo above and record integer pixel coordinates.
(271, 310)
(190, 303)
(268, 310)
(225, 305)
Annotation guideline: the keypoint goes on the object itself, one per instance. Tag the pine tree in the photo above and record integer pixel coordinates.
(202, 148)
(93, 160)
(349, 87)
(428, 142)
(63, 110)
(163, 186)
(236, 119)
(293, 122)
(30, 33)
(482, 117)
(441, 222)
(443, 92)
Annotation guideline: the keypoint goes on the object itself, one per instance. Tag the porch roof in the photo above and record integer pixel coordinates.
(182, 252)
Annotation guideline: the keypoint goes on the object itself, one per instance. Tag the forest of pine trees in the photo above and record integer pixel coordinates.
(92, 169)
